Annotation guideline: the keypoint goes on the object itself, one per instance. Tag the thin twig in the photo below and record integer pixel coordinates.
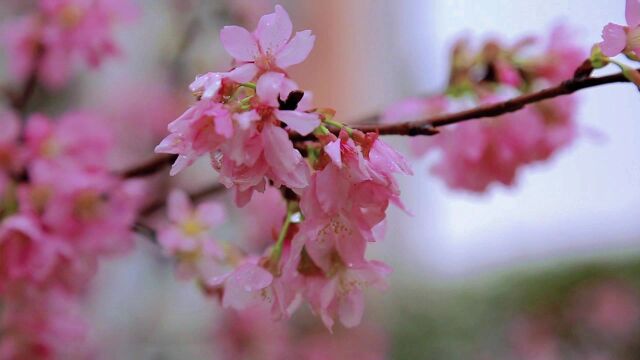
(199, 195)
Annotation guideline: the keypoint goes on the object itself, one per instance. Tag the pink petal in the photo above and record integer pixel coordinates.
(632, 13)
(251, 277)
(278, 149)
(297, 50)
(246, 118)
(179, 206)
(274, 30)
(211, 213)
(615, 40)
(239, 43)
(333, 150)
(243, 73)
(301, 122)
(224, 125)
(351, 309)
(268, 88)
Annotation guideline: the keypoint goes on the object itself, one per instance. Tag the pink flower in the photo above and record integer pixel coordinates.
(262, 218)
(93, 212)
(475, 154)
(77, 138)
(270, 46)
(20, 39)
(246, 286)
(618, 38)
(189, 236)
(271, 89)
(65, 30)
(348, 198)
(202, 129)
(341, 296)
(27, 254)
(560, 58)
(251, 334)
(44, 325)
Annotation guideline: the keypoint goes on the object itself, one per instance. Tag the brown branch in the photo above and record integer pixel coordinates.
(429, 126)
(150, 167)
(20, 100)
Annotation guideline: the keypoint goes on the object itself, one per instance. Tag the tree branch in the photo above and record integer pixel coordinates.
(582, 80)
(147, 231)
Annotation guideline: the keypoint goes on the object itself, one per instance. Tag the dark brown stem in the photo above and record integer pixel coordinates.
(20, 100)
(150, 167)
(429, 126)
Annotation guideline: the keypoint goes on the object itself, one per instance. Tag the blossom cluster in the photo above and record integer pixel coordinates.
(337, 188)
(477, 154)
(61, 210)
(252, 334)
(52, 39)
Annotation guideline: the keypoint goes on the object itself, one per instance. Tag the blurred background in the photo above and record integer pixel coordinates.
(548, 267)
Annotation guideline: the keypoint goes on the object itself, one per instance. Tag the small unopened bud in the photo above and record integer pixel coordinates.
(598, 59)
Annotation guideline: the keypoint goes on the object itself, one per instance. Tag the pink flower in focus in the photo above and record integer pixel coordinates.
(341, 295)
(189, 236)
(270, 47)
(618, 38)
(200, 130)
(247, 286)
(348, 198)
(262, 218)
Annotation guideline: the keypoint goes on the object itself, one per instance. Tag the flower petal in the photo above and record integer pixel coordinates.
(243, 73)
(333, 150)
(211, 213)
(297, 50)
(351, 309)
(179, 206)
(268, 88)
(301, 122)
(615, 39)
(278, 150)
(239, 43)
(632, 13)
(274, 30)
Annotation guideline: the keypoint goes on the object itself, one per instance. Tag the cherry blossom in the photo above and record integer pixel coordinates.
(618, 38)
(270, 46)
(62, 31)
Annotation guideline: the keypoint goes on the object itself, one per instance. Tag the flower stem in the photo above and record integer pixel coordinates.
(277, 249)
(338, 125)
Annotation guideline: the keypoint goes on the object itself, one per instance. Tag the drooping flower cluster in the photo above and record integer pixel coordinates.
(476, 154)
(52, 39)
(61, 210)
(337, 190)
